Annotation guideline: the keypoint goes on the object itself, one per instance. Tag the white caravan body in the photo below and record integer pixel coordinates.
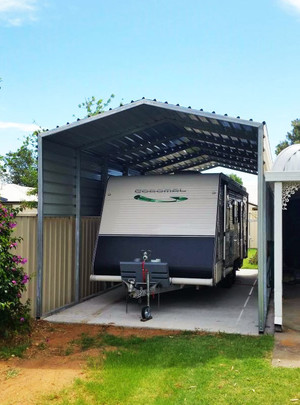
(196, 224)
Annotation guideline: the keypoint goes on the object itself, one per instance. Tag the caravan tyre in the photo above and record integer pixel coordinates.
(229, 280)
(146, 313)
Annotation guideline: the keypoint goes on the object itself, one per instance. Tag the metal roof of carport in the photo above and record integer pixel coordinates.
(152, 137)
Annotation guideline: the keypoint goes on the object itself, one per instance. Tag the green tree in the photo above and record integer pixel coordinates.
(291, 137)
(93, 106)
(236, 178)
(20, 167)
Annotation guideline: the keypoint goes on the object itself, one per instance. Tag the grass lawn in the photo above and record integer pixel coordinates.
(182, 369)
(246, 264)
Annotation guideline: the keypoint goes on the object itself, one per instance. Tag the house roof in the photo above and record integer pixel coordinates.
(15, 193)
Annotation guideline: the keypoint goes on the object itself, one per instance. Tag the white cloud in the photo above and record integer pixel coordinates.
(17, 5)
(16, 12)
(19, 126)
(292, 5)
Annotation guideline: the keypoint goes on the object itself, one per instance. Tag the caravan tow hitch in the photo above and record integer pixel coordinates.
(146, 311)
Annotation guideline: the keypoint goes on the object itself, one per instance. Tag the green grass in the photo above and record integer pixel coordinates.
(246, 264)
(12, 373)
(184, 369)
(13, 350)
(86, 341)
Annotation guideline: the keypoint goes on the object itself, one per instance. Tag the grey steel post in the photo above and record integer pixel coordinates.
(77, 227)
(40, 239)
(104, 178)
(262, 277)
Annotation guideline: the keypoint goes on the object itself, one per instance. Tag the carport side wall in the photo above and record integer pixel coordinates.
(59, 188)
(58, 282)
(59, 261)
(264, 164)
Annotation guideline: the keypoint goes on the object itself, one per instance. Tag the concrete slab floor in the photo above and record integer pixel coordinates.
(232, 310)
(287, 343)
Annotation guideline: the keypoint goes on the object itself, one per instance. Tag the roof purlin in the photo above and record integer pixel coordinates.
(209, 161)
(196, 138)
(203, 151)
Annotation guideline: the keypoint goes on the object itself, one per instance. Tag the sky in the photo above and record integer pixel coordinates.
(229, 56)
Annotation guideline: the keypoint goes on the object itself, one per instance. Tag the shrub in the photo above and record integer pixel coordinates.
(254, 258)
(14, 315)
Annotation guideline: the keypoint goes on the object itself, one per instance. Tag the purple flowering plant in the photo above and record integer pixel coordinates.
(14, 314)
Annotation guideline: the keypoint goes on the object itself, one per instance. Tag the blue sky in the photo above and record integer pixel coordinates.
(236, 57)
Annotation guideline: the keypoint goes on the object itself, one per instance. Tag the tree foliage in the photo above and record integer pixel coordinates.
(236, 178)
(291, 137)
(20, 167)
(94, 106)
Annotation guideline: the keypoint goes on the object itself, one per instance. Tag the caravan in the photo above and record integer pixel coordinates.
(171, 230)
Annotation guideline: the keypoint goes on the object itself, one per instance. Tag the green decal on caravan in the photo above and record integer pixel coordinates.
(147, 199)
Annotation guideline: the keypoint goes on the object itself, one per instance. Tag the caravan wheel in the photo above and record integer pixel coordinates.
(146, 313)
(229, 280)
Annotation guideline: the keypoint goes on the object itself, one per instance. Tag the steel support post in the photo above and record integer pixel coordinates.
(262, 244)
(278, 254)
(78, 227)
(40, 239)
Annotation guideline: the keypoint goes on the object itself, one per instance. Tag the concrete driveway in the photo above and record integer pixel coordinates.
(231, 310)
(287, 344)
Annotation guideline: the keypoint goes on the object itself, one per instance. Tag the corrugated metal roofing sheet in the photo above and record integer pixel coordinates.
(153, 137)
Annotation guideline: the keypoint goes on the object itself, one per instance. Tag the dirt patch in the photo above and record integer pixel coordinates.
(53, 361)
(287, 349)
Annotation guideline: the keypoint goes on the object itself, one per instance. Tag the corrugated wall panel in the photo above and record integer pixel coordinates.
(89, 235)
(59, 262)
(59, 259)
(59, 173)
(27, 248)
(91, 187)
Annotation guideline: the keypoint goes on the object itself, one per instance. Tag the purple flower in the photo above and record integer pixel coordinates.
(12, 225)
(13, 245)
(22, 319)
(11, 215)
(14, 282)
(25, 279)
(23, 261)
(19, 295)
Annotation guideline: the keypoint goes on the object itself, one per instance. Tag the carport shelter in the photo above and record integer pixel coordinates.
(141, 138)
